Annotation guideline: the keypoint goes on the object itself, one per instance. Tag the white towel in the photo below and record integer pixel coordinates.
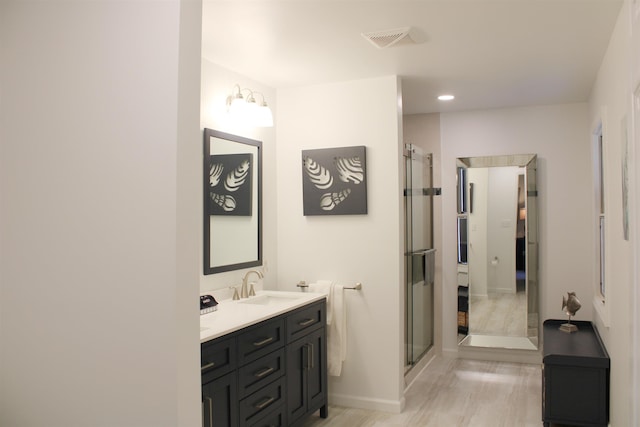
(337, 324)
(337, 333)
(324, 287)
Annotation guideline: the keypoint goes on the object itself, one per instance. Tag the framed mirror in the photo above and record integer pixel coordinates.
(232, 202)
(497, 252)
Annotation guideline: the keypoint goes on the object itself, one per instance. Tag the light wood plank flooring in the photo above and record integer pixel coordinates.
(457, 392)
(499, 314)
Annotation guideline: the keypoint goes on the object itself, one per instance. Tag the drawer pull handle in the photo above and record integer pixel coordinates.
(309, 354)
(306, 322)
(210, 410)
(207, 366)
(268, 401)
(265, 371)
(263, 342)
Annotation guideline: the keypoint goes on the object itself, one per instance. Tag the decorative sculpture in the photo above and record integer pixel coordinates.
(570, 305)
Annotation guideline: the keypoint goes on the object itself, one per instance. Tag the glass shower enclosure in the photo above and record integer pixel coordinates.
(419, 253)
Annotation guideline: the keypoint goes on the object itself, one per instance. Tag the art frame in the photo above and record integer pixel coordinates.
(334, 181)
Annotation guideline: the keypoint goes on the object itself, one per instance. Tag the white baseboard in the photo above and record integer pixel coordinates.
(494, 354)
(503, 290)
(449, 353)
(392, 406)
(500, 355)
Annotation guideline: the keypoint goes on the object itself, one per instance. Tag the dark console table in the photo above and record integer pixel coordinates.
(575, 376)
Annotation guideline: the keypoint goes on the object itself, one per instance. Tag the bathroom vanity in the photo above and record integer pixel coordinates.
(264, 360)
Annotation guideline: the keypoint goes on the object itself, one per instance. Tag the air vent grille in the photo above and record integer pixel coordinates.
(388, 38)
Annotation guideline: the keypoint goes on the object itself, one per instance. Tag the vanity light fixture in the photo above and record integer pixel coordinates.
(446, 97)
(247, 110)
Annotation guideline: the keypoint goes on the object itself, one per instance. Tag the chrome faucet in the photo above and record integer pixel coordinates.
(244, 293)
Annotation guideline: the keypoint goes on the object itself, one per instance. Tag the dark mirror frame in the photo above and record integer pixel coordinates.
(208, 134)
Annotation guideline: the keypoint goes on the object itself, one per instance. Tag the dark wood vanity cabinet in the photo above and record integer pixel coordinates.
(575, 376)
(306, 377)
(220, 402)
(219, 382)
(306, 363)
(273, 373)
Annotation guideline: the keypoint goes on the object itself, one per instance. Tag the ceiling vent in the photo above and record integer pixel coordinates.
(387, 38)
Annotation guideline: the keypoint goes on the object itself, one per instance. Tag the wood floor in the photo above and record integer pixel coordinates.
(457, 392)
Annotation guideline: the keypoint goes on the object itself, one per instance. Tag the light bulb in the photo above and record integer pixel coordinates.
(238, 104)
(264, 117)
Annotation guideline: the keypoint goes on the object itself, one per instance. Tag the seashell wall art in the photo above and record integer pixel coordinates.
(230, 180)
(334, 181)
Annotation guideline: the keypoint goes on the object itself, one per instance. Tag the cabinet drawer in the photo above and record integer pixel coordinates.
(217, 358)
(305, 320)
(274, 419)
(260, 340)
(257, 405)
(261, 372)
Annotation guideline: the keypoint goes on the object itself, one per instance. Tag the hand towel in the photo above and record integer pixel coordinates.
(324, 287)
(336, 324)
(337, 332)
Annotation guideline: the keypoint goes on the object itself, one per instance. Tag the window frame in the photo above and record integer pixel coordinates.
(601, 225)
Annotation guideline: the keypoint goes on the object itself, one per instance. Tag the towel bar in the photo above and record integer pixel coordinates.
(358, 286)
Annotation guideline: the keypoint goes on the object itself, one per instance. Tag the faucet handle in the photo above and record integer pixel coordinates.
(235, 293)
(302, 285)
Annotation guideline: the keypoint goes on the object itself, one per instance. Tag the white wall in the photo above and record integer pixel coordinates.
(217, 85)
(502, 202)
(477, 232)
(558, 135)
(634, 136)
(98, 283)
(609, 102)
(350, 248)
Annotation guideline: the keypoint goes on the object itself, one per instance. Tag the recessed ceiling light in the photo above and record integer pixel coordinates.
(446, 97)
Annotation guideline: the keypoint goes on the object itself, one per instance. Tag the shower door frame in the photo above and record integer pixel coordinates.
(411, 358)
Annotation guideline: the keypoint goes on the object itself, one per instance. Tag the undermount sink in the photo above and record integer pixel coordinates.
(270, 299)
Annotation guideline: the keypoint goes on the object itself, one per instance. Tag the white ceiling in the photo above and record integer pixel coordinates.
(488, 53)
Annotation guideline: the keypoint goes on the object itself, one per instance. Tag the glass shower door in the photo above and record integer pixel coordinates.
(419, 253)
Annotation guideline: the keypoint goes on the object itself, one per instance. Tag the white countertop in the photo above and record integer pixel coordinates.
(234, 315)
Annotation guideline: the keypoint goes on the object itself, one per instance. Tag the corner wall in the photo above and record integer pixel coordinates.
(98, 310)
(609, 102)
(349, 248)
